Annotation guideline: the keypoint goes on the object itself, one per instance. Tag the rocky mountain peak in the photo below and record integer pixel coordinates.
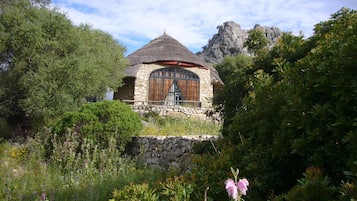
(229, 41)
(272, 33)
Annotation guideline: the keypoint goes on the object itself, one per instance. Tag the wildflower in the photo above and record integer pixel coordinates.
(236, 189)
(243, 186)
(43, 197)
(231, 188)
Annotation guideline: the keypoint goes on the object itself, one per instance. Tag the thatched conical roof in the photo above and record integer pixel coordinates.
(166, 49)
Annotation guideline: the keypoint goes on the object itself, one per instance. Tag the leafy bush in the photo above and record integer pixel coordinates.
(210, 170)
(297, 112)
(4, 129)
(99, 122)
(348, 189)
(135, 192)
(176, 189)
(313, 187)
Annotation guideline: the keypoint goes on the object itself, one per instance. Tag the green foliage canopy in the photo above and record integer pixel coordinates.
(323, 112)
(300, 110)
(256, 41)
(234, 72)
(48, 65)
(100, 122)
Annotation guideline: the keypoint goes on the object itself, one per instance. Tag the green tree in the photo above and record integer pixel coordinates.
(32, 2)
(312, 187)
(235, 72)
(256, 41)
(48, 65)
(301, 111)
(323, 112)
(287, 50)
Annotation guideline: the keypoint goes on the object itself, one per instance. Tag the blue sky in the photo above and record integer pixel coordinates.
(133, 23)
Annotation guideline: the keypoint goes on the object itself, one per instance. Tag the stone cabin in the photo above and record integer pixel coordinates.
(164, 72)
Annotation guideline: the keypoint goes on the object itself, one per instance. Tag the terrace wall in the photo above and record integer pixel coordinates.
(166, 152)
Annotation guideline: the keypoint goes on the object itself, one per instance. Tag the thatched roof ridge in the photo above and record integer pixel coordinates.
(166, 48)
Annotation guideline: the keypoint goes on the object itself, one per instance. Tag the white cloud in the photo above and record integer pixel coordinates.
(193, 22)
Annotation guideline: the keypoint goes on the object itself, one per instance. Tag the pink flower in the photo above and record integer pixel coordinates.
(243, 186)
(231, 188)
(43, 196)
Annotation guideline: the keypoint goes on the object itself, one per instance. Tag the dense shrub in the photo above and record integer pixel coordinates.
(312, 187)
(348, 189)
(176, 189)
(135, 192)
(299, 111)
(99, 122)
(210, 169)
(4, 129)
(88, 175)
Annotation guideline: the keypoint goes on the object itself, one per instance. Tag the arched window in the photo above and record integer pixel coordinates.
(174, 86)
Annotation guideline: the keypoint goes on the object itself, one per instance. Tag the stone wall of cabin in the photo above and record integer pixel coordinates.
(142, 84)
(126, 92)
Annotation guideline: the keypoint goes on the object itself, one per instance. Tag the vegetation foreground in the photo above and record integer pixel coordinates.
(68, 164)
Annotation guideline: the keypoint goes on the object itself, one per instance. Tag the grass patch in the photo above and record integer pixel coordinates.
(174, 126)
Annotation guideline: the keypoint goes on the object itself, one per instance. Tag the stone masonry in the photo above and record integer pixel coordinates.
(142, 84)
(166, 152)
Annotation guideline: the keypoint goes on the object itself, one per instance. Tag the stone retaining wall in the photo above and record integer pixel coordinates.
(166, 152)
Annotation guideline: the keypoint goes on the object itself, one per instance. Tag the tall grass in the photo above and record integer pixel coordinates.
(86, 174)
(171, 126)
(47, 167)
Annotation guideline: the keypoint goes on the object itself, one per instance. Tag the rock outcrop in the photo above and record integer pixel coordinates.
(229, 41)
(272, 33)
